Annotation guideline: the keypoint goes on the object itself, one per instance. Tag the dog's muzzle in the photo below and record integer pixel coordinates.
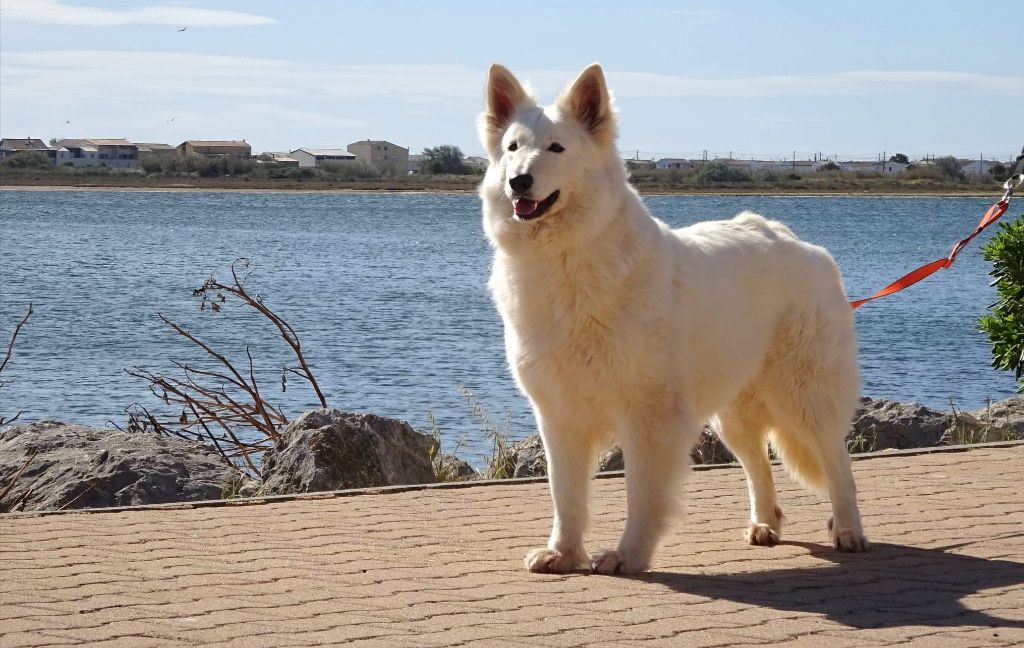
(525, 209)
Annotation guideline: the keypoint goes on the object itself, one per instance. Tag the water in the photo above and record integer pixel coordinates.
(387, 292)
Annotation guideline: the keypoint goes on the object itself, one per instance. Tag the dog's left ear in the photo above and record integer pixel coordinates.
(588, 100)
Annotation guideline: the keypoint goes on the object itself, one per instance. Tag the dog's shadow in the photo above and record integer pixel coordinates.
(889, 586)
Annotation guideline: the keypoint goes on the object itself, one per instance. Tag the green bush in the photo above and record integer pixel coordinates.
(351, 171)
(152, 166)
(445, 159)
(174, 165)
(29, 160)
(1005, 324)
(999, 172)
(718, 171)
(925, 172)
(949, 167)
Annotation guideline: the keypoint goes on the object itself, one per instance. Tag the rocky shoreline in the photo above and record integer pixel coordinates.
(61, 466)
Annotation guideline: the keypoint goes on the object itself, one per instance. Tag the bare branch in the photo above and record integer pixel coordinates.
(222, 404)
(17, 329)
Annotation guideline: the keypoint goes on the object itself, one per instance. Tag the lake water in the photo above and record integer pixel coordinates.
(387, 292)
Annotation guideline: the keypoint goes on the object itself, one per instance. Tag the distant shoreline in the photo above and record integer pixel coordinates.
(455, 187)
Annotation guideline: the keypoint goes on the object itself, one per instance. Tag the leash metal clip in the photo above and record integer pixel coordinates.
(1011, 184)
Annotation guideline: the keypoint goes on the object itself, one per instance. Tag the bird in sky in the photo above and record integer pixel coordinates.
(68, 121)
(171, 119)
(183, 29)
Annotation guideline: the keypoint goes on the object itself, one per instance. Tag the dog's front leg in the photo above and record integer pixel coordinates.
(656, 456)
(571, 456)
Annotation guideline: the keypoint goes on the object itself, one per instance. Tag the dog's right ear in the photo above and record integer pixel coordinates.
(504, 95)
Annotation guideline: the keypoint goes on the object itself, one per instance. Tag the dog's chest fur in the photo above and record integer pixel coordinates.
(562, 328)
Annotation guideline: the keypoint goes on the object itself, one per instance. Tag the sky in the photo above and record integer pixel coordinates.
(747, 78)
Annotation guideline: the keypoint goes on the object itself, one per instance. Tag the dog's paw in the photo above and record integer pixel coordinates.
(552, 561)
(847, 540)
(610, 561)
(762, 535)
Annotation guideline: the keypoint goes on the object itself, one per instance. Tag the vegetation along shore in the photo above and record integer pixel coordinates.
(714, 177)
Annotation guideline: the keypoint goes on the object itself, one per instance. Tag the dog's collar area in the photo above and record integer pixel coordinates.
(524, 209)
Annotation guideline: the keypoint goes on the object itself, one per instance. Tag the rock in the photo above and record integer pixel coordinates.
(884, 424)
(611, 460)
(80, 467)
(523, 458)
(449, 468)
(326, 449)
(1004, 419)
(710, 450)
(247, 487)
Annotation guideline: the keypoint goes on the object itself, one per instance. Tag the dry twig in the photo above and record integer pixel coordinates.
(7, 357)
(221, 404)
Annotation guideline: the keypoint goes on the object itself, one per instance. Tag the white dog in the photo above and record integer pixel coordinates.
(618, 328)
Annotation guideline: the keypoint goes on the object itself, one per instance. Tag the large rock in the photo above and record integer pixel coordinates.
(326, 449)
(884, 424)
(79, 467)
(1003, 420)
(449, 468)
(525, 459)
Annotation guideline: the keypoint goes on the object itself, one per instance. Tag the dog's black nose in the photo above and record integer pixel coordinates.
(521, 183)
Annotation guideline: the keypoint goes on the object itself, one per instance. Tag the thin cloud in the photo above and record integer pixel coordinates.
(157, 74)
(54, 12)
(83, 73)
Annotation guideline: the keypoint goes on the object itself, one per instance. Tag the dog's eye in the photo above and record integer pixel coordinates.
(556, 148)
(513, 146)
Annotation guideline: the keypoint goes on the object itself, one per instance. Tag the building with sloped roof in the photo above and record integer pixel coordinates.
(9, 147)
(156, 151)
(216, 148)
(116, 153)
(315, 158)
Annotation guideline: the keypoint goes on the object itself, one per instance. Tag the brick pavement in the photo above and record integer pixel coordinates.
(442, 567)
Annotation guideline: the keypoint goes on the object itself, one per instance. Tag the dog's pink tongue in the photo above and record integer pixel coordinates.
(525, 206)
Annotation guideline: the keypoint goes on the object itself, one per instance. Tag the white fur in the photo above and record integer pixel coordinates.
(618, 328)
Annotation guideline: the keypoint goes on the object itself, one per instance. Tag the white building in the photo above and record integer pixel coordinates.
(476, 163)
(674, 163)
(112, 153)
(414, 163)
(315, 158)
(978, 167)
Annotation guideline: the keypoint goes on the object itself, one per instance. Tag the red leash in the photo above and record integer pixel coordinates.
(991, 216)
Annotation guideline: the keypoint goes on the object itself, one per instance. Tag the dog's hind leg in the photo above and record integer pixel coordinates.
(571, 455)
(744, 431)
(810, 437)
(656, 457)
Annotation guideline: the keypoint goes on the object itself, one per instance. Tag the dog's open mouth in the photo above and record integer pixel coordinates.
(526, 209)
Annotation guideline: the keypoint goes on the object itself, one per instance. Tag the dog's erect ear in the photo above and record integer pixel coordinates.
(504, 96)
(588, 100)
